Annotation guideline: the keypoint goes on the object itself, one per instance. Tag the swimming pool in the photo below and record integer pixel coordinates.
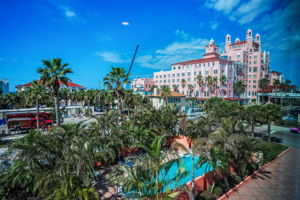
(171, 177)
(186, 163)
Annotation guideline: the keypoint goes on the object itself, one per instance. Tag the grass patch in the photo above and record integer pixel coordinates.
(272, 150)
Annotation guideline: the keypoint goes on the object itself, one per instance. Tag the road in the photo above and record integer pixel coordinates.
(282, 133)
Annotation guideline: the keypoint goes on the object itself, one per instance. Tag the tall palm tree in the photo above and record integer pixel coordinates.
(239, 88)
(270, 113)
(196, 149)
(209, 82)
(215, 84)
(223, 81)
(263, 83)
(155, 158)
(36, 93)
(252, 116)
(200, 81)
(115, 80)
(54, 73)
(190, 89)
(165, 93)
(183, 83)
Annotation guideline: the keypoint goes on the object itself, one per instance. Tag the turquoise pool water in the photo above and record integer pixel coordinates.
(186, 163)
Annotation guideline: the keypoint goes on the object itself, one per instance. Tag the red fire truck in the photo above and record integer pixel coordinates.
(27, 120)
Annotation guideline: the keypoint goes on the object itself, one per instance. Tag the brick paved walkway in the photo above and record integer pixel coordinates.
(280, 180)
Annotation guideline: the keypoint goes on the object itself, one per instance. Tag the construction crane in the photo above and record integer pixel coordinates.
(131, 64)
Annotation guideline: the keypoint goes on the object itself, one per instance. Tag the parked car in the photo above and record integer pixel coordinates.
(100, 109)
(290, 118)
(295, 130)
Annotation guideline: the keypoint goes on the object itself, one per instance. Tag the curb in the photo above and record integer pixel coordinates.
(235, 188)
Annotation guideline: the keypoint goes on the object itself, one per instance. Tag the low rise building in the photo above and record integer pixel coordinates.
(175, 98)
(142, 84)
(72, 86)
(274, 75)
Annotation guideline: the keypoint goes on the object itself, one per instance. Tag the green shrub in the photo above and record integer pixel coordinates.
(218, 191)
(205, 195)
(272, 150)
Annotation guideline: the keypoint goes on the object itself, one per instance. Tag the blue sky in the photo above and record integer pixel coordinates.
(91, 35)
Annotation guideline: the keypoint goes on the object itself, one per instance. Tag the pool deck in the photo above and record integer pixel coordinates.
(279, 180)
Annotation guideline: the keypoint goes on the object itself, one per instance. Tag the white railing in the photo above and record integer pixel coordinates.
(281, 94)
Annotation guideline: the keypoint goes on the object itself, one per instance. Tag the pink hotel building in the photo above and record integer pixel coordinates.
(241, 60)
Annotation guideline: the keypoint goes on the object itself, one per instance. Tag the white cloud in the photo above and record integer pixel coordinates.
(68, 12)
(252, 9)
(241, 12)
(222, 5)
(111, 57)
(214, 25)
(125, 23)
(185, 48)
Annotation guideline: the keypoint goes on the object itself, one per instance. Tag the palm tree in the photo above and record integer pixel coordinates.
(196, 149)
(183, 83)
(239, 88)
(175, 88)
(263, 83)
(51, 76)
(252, 116)
(215, 84)
(285, 85)
(65, 94)
(209, 82)
(190, 89)
(155, 160)
(268, 114)
(114, 80)
(57, 165)
(200, 82)
(36, 93)
(165, 93)
(223, 81)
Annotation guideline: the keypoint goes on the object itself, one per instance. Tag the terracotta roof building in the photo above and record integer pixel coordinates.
(70, 85)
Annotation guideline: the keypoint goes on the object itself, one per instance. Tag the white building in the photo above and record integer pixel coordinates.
(175, 98)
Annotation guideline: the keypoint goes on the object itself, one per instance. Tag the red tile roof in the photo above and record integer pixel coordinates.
(212, 53)
(173, 94)
(240, 42)
(275, 72)
(202, 60)
(69, 84)
(270, 88)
